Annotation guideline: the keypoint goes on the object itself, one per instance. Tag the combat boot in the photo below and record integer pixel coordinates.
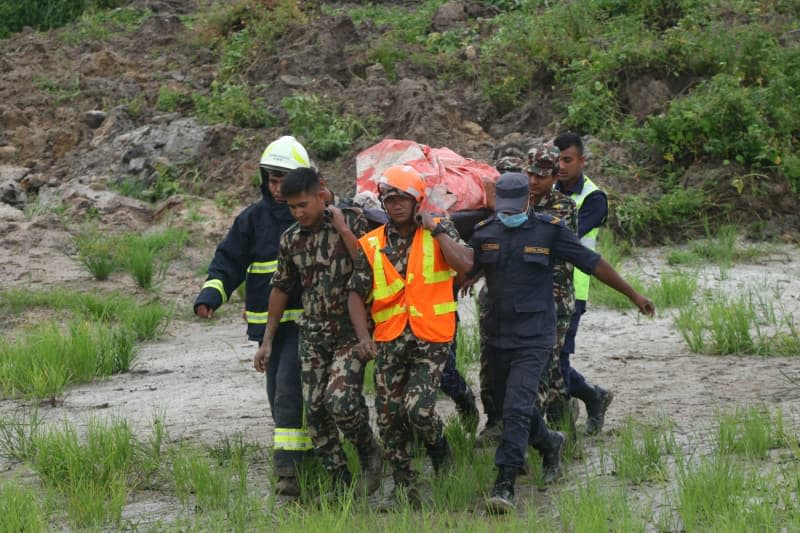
(468, 410)
(501, 499)
(490, 435)
(597, 400)
(287, 486)
(371, 459)
(405, 493)
(551, 456)
(441, 455)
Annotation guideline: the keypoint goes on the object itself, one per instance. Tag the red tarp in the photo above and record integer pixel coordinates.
(453, 182)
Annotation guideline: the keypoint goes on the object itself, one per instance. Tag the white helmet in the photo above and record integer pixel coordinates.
(284, 154)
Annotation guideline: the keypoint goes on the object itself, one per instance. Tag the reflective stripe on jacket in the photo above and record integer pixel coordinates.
(424, 299)
(589, 240)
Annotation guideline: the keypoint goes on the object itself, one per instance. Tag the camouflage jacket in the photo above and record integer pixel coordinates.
(396, 251)
(562, 206)
(319, 260)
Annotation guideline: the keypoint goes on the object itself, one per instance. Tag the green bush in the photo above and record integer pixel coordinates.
(651, 218)
(321, 126)
(45, 14)
(232, 104)
(244, 31)
(170, 100)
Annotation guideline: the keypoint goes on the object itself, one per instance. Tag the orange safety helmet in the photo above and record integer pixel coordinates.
(404, 180)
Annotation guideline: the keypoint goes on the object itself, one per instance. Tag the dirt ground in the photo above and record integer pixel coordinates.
(199, 376)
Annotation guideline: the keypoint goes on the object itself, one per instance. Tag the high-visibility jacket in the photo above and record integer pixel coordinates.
(250, 252)
(424, 299)
(589, 240)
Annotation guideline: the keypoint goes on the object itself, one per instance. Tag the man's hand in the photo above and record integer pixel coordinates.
(337, 218)
(366, 350)
(489, 189)
(645, 306)
(427, 220)
(261, 359)
(204, 311)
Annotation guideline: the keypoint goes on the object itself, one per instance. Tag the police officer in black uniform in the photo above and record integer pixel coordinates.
(514, 249)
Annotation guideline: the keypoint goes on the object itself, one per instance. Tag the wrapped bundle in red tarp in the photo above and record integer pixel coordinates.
(454, 183)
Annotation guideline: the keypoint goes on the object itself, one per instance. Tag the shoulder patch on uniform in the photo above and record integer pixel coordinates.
(482, 223)
(555, 220)
(536, 250)
(490, 246)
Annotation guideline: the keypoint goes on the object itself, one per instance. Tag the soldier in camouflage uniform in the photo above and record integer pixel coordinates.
(318, 253)
(542, 170)
(405, 266)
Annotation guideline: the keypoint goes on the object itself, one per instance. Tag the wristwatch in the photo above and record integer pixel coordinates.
(438, 229)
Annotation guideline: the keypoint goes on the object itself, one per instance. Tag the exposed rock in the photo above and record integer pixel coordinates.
(11, 192)
(7, 153)
(12, 173)
(450, 15)
(83, 197)
(94, 118)
(647, 96)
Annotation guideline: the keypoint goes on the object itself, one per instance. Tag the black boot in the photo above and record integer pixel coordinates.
(441, 455)
(597, 400)
(501, 499)
(468, 410)
(551, 456)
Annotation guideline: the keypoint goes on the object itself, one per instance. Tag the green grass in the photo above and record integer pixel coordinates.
(20, 510)
(103, 24)
(639, 451)
(91, 473)
(322, 126)
(750, 431)
(45, 14)
(590, 508)
(719, 324)
(232, 104)
(722, 249)
(722, 494)
(49, 356)
(99, 340)
(145, 256)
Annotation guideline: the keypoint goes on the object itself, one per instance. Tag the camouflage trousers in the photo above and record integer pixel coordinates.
(333, 380)
(552, 388)
(407, 375)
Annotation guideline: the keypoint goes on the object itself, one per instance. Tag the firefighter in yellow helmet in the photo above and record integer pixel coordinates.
(249, 254)
(406, 269)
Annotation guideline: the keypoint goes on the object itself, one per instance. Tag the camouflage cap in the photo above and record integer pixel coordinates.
(509, 163)
(543, 159)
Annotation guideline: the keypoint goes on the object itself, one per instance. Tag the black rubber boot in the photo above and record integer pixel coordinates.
(468, 410)
(441, 455)
(501, 499)
(551, 456)
(597, 400)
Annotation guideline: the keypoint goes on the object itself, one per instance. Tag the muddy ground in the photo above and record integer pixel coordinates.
(199, 376)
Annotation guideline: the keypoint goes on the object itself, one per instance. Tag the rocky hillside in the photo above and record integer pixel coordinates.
(131, 106)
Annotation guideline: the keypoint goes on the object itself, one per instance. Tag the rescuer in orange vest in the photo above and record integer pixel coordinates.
(406, 269)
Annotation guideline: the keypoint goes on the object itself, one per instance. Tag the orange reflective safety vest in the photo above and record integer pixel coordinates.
(424, 298)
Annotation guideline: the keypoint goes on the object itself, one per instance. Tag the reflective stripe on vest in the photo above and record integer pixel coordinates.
(263, 267)
(217, 284)
(424, 299)
(254, 317)
(292, 439)
(580, 279)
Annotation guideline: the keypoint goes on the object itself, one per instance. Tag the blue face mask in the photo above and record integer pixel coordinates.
(513, 221)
